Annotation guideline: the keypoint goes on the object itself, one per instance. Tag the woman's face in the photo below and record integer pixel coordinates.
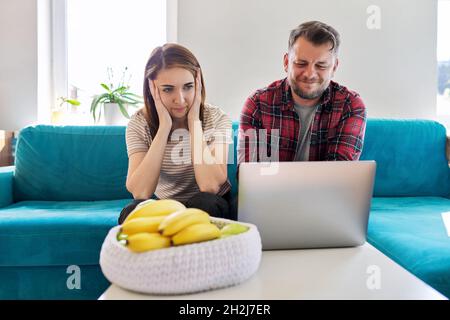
(177, 90)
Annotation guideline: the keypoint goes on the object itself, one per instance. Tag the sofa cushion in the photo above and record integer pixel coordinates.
(49, 233)
(410, 156)
(411, 231)
(71, 163)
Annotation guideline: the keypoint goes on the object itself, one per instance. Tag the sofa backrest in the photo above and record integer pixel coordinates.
(410, 156)
(71, 163)
(90, 162)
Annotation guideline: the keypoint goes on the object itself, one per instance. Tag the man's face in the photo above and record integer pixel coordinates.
(309, 68)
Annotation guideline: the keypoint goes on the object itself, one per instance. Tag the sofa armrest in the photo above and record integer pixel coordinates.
(6, 186)
(447, 150)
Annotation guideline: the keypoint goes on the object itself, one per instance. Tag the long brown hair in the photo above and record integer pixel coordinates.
(170, 55)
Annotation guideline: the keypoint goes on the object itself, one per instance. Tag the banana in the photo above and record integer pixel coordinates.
(144, 203)
(146, 241)
(196, 233)
(146, 224)
(155, 208)
(177, 221)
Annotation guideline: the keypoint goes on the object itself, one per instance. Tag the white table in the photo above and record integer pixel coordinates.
(344, 273)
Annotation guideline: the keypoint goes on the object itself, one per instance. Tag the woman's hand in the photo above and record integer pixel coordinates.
(194, 111)
(165, 120)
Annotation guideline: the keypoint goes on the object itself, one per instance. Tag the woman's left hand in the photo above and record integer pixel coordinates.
(194, 111)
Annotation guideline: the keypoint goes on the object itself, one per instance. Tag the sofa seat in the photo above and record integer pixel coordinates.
(55, 233)
(411, 231)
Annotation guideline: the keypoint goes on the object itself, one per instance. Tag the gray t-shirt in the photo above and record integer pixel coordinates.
(306, 116)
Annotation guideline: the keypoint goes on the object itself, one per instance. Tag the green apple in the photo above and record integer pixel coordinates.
(233, 229)
(121, 236)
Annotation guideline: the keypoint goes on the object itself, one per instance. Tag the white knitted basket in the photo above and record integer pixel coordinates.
(183, 269)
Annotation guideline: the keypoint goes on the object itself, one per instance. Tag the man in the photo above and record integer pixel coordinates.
(307, 117)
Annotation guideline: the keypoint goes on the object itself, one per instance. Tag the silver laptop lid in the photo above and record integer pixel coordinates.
(307, 204)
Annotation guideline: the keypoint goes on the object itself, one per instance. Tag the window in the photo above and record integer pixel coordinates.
(104, 38)
(443, 58)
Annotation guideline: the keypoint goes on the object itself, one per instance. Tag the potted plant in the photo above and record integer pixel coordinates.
(115, 101)
(57, 115)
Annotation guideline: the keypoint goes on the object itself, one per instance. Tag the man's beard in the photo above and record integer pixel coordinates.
(308, 95)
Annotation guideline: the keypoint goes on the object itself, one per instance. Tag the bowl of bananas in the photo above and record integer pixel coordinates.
(164, 248)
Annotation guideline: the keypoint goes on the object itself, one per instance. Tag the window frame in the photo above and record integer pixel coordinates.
(441, 113)
(59, 49)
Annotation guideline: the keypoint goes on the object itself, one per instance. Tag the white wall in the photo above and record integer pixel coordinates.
(18, 63)
(46, 94)
(240, 45)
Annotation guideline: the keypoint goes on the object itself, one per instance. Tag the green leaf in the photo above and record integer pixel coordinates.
(104, 99)
(94, 106)
(73, 102)
(100, 114)
(112, 98)
(125, 99)
(123, 110)
(133, 95)
(121, 90)
(105, 86)
(96, 103)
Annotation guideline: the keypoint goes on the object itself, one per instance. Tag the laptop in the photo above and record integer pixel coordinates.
(317, 204)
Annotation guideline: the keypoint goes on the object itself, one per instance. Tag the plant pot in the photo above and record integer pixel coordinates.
(113, 116)
(57, 117)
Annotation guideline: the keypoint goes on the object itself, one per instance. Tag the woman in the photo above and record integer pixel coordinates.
(177, 144)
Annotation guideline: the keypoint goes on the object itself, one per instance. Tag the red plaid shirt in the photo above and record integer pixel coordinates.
(337, 131)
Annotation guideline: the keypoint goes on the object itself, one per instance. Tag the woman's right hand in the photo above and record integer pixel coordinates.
(165, 120)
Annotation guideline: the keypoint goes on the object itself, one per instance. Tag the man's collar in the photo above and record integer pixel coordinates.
(288, 101)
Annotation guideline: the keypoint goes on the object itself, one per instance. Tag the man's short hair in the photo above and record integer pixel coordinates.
(316, 32)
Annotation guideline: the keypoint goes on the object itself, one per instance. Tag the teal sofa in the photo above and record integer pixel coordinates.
(68, 186)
